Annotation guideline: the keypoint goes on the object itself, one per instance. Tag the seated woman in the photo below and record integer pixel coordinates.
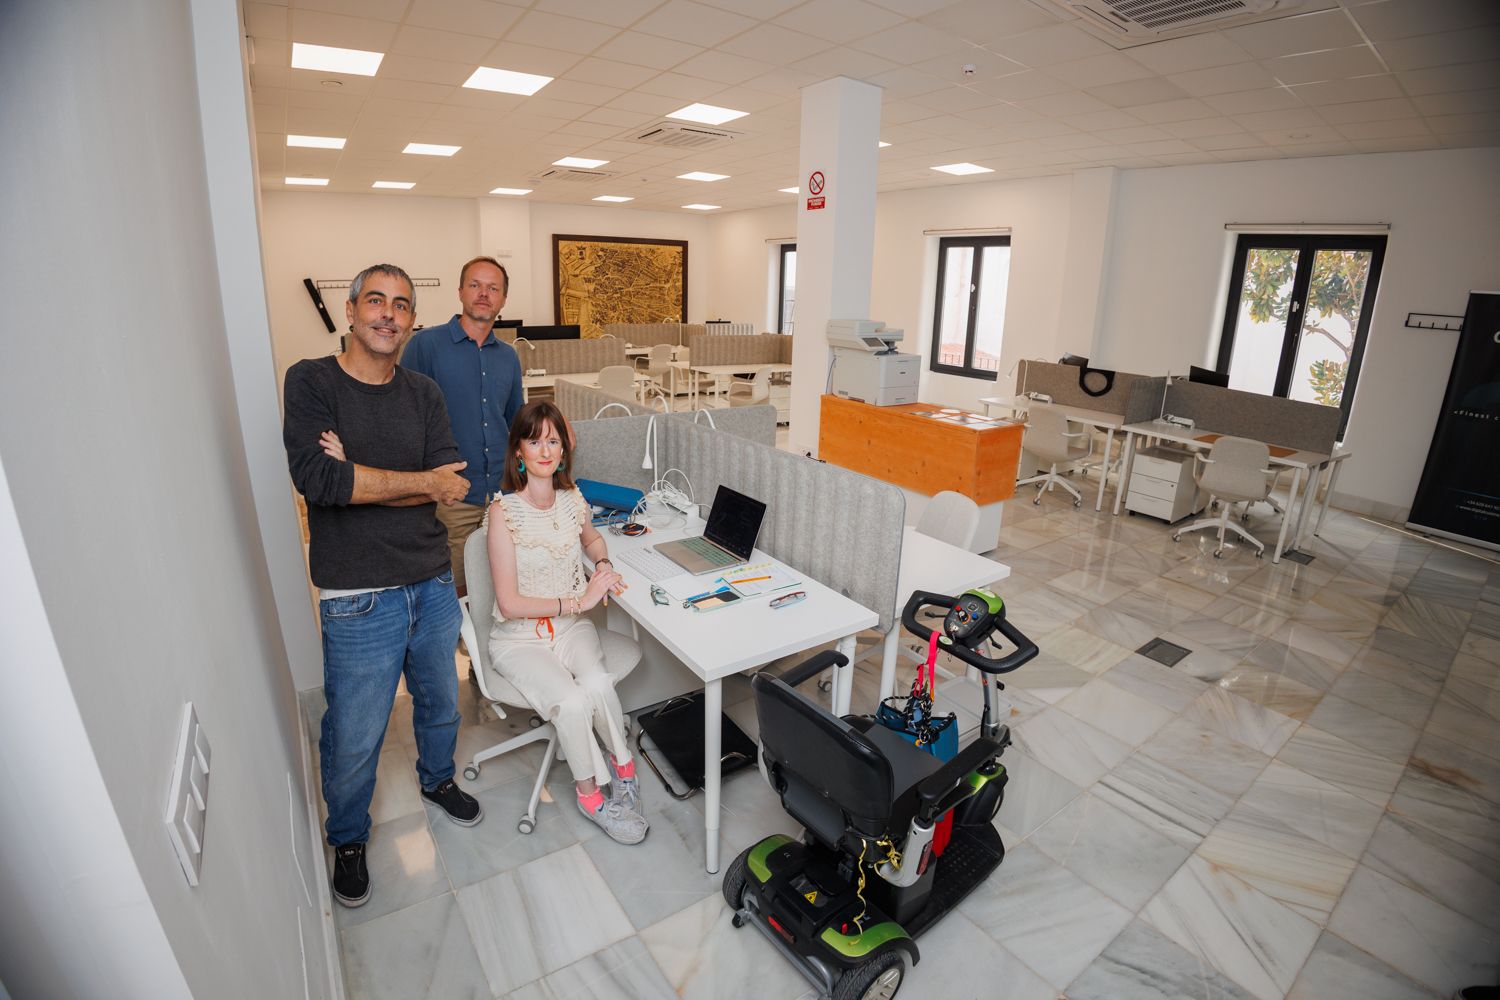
(540, 642)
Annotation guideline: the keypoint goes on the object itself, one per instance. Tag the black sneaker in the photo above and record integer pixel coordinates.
(1478, 993)
(351, 879)
(461, 807)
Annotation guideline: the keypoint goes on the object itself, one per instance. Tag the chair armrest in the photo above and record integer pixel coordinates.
(945, 788)
(816, 665)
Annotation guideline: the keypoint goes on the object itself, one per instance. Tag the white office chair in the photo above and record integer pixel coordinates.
(1047, 437)
(618, 379)
(621, 654)
(658, 363)
(757, 388)
(1236, 470)
(950, 517)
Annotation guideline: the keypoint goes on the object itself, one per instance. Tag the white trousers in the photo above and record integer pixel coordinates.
(562, 675)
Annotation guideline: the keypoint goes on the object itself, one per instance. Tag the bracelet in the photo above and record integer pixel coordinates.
(559, 607)
(604, 560)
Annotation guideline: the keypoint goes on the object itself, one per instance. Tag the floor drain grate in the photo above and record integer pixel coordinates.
(1164, 652)
(1298, 557)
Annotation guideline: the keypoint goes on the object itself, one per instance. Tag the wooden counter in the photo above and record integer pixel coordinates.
(899, 445)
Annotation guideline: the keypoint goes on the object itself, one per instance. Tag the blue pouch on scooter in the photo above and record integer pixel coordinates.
(913, 720)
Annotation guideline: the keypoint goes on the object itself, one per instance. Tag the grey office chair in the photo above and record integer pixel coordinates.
(1048, 438)
(621, 654)
(1236, 470)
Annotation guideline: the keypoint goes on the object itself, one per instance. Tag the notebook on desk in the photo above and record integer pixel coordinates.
(728, 539)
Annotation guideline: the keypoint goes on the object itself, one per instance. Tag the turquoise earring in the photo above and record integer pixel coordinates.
(521, 466)
(561, 466)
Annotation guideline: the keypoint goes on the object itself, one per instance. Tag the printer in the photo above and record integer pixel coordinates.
(866, 365)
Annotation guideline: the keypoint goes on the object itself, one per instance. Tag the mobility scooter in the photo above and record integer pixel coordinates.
(845, 902)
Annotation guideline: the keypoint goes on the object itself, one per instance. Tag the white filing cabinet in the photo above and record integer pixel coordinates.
(1161, 485)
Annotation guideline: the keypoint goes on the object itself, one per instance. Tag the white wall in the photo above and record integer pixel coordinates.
(1169, 261)
(126, 463)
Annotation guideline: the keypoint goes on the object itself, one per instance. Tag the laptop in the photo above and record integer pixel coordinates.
(728, 540)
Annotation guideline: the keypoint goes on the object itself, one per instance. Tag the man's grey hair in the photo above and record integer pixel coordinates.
(357, 285)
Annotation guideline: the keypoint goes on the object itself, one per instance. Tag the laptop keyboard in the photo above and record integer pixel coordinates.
(709, 551)
(650, 563)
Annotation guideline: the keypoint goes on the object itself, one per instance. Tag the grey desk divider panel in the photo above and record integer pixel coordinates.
(753, 423)
(581, 402)
(1289, 423)
(565, 357)
(714, 349)
(1061, 383)
(610, 451)
(1144, 401)
(651, 334)
(839, 527)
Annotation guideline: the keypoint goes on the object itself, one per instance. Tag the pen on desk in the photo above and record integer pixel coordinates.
(749, 579)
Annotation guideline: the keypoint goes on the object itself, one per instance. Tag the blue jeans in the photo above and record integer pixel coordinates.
(369, 641)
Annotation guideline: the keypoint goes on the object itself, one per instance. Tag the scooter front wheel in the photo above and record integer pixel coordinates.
(877, 979)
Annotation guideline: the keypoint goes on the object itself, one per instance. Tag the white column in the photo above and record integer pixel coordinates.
(1091, 214)
(835, 236)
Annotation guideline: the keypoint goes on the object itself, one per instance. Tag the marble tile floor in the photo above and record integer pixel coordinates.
(1306, 807)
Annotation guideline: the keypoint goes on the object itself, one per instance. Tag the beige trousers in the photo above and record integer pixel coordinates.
(562, 675)
(461, 520)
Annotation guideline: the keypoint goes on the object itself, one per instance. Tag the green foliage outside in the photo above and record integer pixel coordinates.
(1337, 289)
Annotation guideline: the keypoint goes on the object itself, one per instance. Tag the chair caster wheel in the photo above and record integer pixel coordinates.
(471, 772)
(525, 825)
(825, 685)
(1218, 553)
(1037, 502)
(1260, 555)
(737, 920)
(1177, 537)
(1077, 503)
(534, 722)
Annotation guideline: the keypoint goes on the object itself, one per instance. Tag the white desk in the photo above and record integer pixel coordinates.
(550, 380)
(717, 644)
(644, 352)
(1105, 421)
(936, 567)
(1300, 462)
(717, 372)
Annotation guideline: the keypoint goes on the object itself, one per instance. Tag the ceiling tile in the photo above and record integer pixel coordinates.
(1368, 111)
(1461, 124)
(1161, 147)
(1401, 18)
(265, 20)
(1299, 134)
(1199, 127)
(1172, 111)
(1424, 51)
(619, 13)
(1316, 67)
(688, 89)
(838, 20)
(647, 50)
(843, 62)
(912, 42)
(1460, 103)
(1223, 79)
(1282, 36)
(439, 71)
(1098, 71)
(570, 34)
(1058, 105)
(914, 8)
(468, 17)
(1364, 88)
(1045, 46)
(1467, 139)
(1184, 55)
(651, 104)
(1097, 121)
(773, 44)
(756, 102)
(318, 28)
(578, 92)
(984, 21)
(1260, 121)
(723, 68)
(430, 43)
(695, 23)
(952, 100)
(1022, 86)
(903, 82)
(608, 73)
(754, 8)
(1130, 93)
(1396, 145)
(383, 10)
(411, 90)
(1399, 128)
(1443, 79)
(988, 66)
(1136, 133)
(1227, 140)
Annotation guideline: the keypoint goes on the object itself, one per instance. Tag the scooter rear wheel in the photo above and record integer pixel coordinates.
(734, 879)
(877, 979)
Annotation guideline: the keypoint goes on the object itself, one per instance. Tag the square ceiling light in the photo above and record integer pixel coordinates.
(962, 169)
(706, 114)
(506, 81)
(395, 185)
(701, 208)
(795, 190)
(579, 161)
(615, 198)
(316, 141)
(700, 175)
(881, 144)
(308, 181)
(355, 62)
(510, 191)
(430, 149)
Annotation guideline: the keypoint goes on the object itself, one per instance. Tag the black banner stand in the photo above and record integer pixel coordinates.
(1459, 495)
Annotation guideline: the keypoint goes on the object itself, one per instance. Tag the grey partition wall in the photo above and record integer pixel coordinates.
(1145, 400)
(1061, 383)
(753, 423)
(1289, 423)
(651, 334)
(610, 451)
(564, 357)
(839, 527)
(761, 349)
(581, 402)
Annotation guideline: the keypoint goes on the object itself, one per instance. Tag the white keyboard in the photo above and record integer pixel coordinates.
(651, 564)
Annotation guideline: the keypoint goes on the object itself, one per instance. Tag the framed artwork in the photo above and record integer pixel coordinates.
(618, 279)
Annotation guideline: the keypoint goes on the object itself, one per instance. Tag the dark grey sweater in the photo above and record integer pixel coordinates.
(401, 426)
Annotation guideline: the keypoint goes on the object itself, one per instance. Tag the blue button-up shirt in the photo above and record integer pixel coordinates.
(481, 385)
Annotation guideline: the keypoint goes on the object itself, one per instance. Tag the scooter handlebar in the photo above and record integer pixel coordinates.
(1025, 648)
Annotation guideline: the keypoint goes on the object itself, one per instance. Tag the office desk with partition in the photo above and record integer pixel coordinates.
(1302, 463)
(549, 380)
(719, 372)
(748, 634)
(1105, 421)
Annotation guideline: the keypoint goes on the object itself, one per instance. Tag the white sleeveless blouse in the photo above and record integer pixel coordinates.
(549, 549)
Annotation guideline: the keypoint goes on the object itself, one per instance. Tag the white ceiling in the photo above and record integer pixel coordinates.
(1046, 96)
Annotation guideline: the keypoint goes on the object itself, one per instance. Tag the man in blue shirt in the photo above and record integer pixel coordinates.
(481, 381)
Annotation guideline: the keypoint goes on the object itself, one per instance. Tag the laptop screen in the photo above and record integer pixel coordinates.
(734, 522)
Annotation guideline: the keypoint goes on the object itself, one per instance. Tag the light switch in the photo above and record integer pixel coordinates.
(187, 802)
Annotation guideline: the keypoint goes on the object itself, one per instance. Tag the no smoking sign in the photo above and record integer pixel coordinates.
(815, 184)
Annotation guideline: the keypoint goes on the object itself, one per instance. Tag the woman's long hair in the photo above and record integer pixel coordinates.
(528, 424)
